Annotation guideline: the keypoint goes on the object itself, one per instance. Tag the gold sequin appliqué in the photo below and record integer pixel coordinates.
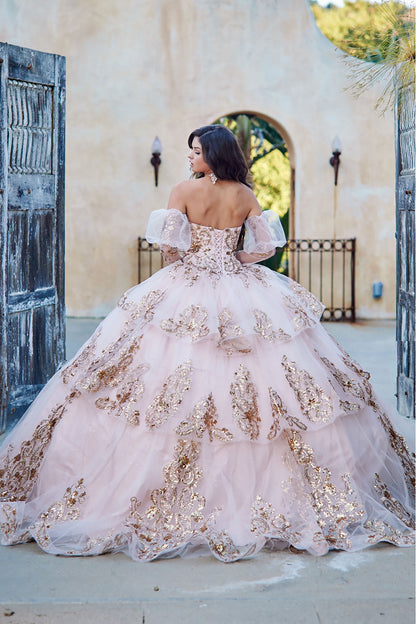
(399, 445)
(265, 522)
(169, 236)
(361, 388)
(191, 322)
(173, 223)
(63, 510)
(9, 525)
(349, 385)
(124, 403)
(279, 411)
(244, 403)
(397, 442)
(109, 368)
(145, 309)
(203, 419)
(170, 254)
(175, 516)
(264, 327)
(257, 272)
(335, 508)
(231, 335)
(169, 399)
(20, 468)
(364, 378)
(227, 327)
(112, 374)
(112, 542)
(189, 272)
(348, 407)
(176, 512)
(308, 299)
(212, 253)
(301, 319)
(201, 239)
(199, 259)
(314, 403)
(223, 547)
(381, 531)
(83, 360)
(392, 504)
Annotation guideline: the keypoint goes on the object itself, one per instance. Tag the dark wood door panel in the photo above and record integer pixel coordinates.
(406, 242)
(31, 65)
(32, 330)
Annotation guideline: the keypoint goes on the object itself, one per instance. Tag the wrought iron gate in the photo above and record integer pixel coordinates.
(326, 267)
(405, 249)
(32, 135)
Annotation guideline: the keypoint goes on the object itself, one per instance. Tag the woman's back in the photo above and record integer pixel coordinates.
(222, 205)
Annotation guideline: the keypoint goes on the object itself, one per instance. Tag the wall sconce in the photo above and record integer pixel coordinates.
(335, 158)
(156, 160)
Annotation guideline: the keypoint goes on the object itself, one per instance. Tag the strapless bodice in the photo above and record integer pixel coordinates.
(213, 250)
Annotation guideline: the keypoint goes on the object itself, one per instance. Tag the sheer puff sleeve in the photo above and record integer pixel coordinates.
(263, 234)
(170, 229)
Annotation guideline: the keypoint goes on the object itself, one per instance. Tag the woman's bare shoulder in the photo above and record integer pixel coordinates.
(179, 194)
(248, 201)
(245, 191)
(183, 187)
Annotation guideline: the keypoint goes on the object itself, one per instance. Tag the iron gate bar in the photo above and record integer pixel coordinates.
(310, 248)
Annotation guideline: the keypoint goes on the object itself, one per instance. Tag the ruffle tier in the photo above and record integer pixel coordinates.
(226, 307)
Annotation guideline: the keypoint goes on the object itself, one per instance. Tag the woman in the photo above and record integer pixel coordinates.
(210, 411)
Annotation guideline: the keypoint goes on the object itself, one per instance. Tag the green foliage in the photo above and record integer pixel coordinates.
(371, 32)
(256, 137)
(383, 34)
(271, 179)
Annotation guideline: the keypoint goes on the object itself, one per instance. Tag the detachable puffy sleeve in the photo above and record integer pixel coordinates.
(170, 229)
(263, 234)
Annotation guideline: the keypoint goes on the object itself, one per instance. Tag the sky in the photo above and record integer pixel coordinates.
(340, 3)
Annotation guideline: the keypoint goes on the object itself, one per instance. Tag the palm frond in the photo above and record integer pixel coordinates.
(397, 69)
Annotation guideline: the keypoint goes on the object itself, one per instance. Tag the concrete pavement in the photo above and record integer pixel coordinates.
(375, 586)
(370, 587)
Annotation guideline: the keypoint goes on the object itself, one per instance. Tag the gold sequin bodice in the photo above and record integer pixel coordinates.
(213, 250)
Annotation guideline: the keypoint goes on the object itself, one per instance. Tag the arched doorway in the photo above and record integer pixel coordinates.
(270, 155)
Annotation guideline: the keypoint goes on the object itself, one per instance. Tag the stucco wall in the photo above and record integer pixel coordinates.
(136, 69)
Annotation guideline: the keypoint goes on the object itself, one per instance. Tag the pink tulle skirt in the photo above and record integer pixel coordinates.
(207, 418)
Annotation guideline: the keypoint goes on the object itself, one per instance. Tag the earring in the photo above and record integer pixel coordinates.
(213, 177)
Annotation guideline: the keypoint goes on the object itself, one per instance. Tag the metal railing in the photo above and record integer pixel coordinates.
(326, 267)
(150, 259)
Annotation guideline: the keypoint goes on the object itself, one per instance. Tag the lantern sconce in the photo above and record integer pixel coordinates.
(156, 161)
(334, 161)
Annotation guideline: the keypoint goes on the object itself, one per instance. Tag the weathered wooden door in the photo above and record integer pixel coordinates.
(32, 136)
(405, 241)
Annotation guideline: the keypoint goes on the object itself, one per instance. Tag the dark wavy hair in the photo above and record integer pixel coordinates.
(222, 153)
